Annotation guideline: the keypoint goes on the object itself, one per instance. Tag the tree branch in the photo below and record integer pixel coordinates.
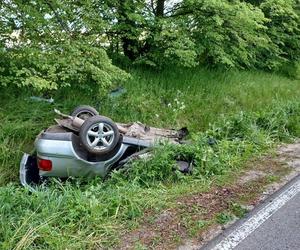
(63, 25)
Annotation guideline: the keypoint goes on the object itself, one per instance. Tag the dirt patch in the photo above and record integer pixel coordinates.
(191, 222)
(171, 225)
(251, 175)
(166, 226)
(290, 154)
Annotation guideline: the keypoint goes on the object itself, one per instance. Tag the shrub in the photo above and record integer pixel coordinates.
(170, 45)
(229, 33)
(284, 32)
(72, 64)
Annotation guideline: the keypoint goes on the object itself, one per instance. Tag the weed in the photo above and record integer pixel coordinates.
(224, 217)
(140, 246)
(238, 210)
(272, 178)
(196, 226)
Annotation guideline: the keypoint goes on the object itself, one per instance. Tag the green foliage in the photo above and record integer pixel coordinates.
(238, 210)
(254, 2)
(90, 213)
(224, 218)
(155, 98)
(283, 30)
(291, 70)
(52, 216)
(68, 64)
(132, 22)
(229, 33)
(221, 147)
(171, 44)
(46, 46)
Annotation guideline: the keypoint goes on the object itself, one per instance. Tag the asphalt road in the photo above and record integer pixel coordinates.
(281, 231)
(273, 225)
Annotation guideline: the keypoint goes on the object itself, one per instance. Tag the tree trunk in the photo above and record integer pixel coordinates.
(160, 7)
(128, 37)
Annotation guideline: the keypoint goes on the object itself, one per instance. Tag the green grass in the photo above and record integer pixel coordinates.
(250, 111)
(224, 218)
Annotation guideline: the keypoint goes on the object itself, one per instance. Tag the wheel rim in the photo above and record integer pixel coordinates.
(100, 136)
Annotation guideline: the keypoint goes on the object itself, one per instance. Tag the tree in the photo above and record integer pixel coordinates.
(51, 44)
(284, 30)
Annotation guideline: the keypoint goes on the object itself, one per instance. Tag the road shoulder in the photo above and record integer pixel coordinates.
(263, 223)
(195, 219)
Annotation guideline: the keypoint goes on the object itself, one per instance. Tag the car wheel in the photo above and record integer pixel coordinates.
(84, 112)
(99, 135)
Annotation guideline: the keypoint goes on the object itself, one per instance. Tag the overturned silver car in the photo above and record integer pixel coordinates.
(86, 144)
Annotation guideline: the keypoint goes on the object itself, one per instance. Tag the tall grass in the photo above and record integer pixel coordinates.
(232, 116)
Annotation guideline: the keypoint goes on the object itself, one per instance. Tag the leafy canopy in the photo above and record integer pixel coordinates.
(51, 44)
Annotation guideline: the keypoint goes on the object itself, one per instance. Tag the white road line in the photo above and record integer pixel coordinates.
(239, 234)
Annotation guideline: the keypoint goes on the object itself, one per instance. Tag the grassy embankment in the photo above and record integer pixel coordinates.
(250, 112)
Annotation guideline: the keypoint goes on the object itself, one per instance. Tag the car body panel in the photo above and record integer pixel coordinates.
(66, 162)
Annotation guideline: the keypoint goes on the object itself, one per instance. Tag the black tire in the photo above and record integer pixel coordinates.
(91, 125)
(84, 112)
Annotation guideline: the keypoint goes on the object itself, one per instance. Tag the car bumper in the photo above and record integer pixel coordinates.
(29, 172)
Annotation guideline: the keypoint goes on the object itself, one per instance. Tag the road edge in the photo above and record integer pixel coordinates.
(265, 201)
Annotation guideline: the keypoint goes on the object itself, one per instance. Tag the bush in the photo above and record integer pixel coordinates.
(229, 33)
(172, 45)
(284, 31)
(70, 64)
(291, 69)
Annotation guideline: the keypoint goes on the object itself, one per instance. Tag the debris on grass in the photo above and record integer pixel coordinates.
(117, 92)
(42, 99)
